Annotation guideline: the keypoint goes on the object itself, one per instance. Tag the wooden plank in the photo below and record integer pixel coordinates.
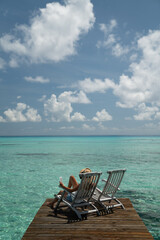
(121, 224)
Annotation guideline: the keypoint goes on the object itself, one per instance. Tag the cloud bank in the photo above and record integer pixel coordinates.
(140, 89)
(144, 84)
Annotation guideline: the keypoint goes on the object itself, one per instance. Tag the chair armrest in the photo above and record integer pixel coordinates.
(97, 190)
(104, 180)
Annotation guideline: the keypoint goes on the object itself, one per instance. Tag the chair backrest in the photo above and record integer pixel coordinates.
(113, 182)
(87, 186)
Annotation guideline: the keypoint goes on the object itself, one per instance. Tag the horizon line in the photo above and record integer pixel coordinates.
(96, 135)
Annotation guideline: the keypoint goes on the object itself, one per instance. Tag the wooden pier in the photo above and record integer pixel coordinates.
(121, 224)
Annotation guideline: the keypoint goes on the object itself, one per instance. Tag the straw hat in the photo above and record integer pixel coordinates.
(85, 170)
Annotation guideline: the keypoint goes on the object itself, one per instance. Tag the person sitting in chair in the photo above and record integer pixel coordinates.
(72, 188)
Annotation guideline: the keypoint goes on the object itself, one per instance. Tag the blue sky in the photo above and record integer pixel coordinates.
(80, 67)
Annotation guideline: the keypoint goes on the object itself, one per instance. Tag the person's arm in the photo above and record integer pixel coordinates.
(68, 189)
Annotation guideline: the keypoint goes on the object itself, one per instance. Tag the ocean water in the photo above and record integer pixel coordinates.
(30, 168)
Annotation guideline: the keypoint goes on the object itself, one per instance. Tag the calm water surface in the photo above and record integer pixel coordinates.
(30, 168)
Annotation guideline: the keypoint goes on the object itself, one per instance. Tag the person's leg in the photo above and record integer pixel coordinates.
(72, 182)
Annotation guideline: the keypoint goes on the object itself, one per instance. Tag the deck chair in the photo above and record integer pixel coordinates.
(110, 188)
(82, 197)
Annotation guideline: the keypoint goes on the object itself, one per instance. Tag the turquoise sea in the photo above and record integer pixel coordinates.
(30, 168)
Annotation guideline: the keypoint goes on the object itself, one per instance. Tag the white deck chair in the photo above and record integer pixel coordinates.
(83, 195)
(110, 188)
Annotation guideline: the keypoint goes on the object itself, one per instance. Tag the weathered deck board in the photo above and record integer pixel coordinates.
(121, 224)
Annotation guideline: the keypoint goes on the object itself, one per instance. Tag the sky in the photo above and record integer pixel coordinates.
(79, 67)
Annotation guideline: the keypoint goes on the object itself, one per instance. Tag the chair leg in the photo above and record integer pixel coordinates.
(119, 203)
(96, 209)
(77, 212)
(105, 208)
(57, 205)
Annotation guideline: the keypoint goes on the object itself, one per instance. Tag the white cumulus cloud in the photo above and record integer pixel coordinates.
(53, 33)
(143, 86)
(78, 117)
(22, 113)
(60, 109)
(141, 89)
(102, 116)
(96, 85)
(146, 113)
(74, 97)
